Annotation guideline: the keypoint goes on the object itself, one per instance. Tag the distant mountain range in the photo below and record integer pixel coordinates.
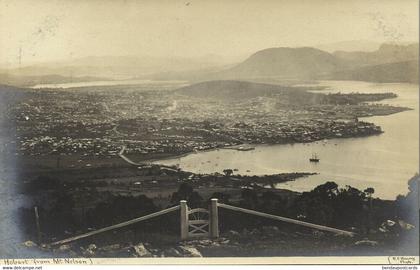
(407, 71)
(389, 63)
(387, 53)
(309, 63)
(108, 67)
(23, 81)
(349, 46)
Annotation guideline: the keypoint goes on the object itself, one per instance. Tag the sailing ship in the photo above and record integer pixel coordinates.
(314, 158)
(242, 148)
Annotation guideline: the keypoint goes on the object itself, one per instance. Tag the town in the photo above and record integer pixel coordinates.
(79, 125)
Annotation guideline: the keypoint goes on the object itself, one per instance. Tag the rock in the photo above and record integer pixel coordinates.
(205, 242)
(390, 223)
(89, 251)
(172, 252)
(225, 241)
(110, 247)
(319, 234)
(72, 253)
(190, 251)
(405, 226)
(232, 233)
(122, 252)
(366, 243)
(64, 248)
(271, 230)
(383, 229)
(141, 251)
(29, 243)
(389, 226)
(255, 232)
(245, 232)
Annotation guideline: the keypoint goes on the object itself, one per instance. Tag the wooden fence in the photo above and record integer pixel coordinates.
(192, 223)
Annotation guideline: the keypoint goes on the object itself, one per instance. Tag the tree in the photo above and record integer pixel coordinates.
(369, 192)
(270, 202)
(186, 192)
(222, 197)
(328, 190)
(348, 207)
(120, 208)
(408, 206)
(327, 204)
(314, 208)
(249, 198)
(228, 172)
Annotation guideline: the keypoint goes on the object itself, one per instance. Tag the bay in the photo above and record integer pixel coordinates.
(385, 162)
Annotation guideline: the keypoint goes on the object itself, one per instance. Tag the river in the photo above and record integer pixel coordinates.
(385, 162)
(105, 83)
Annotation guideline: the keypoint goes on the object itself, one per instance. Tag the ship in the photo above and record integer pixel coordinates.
(242, 148)
(314, 158)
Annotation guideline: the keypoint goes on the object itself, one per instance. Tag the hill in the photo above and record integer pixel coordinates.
(287, 63)
(387, 53)
(282, 63)
(407, 71)
(349, 46)
(389, 63)
(116, 67)
(230, 89)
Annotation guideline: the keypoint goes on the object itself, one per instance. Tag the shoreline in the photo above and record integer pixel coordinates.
(234, 147)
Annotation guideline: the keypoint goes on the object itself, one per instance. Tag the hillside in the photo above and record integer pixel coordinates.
(387, 53)
(27, 81)
(116, 67)
(303, 63)
(389, 63)
(283, 63)
(230, 89)
(349, 46)
(407, 71)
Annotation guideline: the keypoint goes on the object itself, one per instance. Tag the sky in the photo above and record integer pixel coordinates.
(42, 31)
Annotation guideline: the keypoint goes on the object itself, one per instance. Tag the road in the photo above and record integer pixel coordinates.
(144, 164)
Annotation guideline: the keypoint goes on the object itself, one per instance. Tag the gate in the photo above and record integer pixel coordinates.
(199, 222)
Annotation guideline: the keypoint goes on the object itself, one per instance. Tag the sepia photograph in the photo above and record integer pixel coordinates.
(193, 131)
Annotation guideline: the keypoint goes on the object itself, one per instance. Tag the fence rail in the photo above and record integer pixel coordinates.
(116, 226)
(289, 220)
(199, 225)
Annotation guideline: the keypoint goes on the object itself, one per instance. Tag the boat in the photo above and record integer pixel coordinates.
(314, 158)
(242, 148)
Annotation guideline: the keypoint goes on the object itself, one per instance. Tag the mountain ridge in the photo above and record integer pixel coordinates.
(309, 63)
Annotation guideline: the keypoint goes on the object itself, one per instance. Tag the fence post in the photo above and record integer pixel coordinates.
(38, 227)
(214, 219)
(184, 219)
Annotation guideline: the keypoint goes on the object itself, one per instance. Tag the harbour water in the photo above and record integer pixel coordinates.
(105, 83)
(385, 162)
